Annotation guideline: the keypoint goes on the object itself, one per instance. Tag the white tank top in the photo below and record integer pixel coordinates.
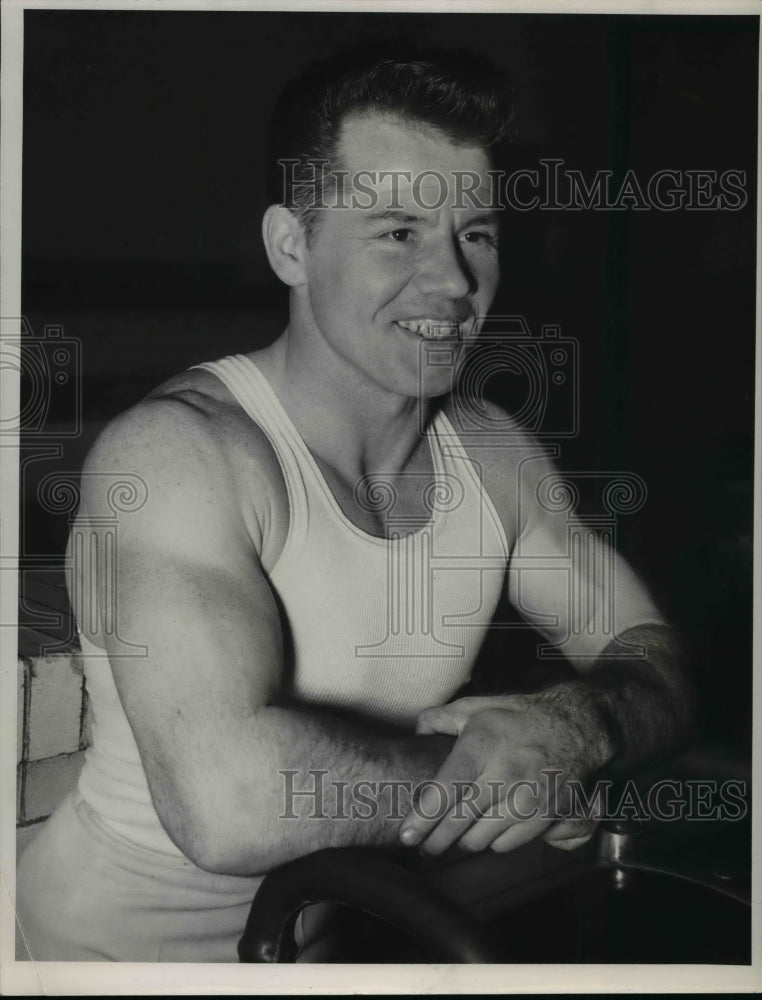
(383, 626)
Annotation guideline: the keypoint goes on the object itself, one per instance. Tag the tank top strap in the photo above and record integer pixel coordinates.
(303, 478)
(249, 387)
(452, 456)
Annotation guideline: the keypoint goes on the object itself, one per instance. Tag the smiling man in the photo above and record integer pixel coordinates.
(319, 557)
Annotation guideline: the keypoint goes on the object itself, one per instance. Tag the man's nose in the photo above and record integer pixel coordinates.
(445, 272)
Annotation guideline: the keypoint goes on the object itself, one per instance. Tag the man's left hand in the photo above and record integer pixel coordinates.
(504, 783)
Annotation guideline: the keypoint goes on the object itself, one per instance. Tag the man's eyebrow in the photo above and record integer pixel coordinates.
(488, 218)
(390, 215)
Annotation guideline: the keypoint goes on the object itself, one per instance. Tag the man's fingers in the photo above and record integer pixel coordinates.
(518, 834)
(474, 806)
(454, 782)
(568, 835)
(462, 805)
(437, 720)
(519, 804)
(451, 718)
(569, 845)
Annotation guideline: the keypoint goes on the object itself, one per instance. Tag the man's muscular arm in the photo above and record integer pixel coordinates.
(630, 703)
(203, 703)
(621, 714)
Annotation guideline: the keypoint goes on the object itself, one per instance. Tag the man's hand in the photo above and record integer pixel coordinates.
(504, 781)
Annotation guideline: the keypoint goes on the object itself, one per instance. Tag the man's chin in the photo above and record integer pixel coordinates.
(435, 387)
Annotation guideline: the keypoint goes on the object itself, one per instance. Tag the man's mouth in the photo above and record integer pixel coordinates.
(432, 329)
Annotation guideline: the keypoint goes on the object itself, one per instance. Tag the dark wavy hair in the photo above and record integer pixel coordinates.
(456, 92)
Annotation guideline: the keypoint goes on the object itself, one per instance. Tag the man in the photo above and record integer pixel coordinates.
(282, 573)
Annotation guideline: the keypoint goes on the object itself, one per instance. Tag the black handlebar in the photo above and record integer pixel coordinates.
(366, 881)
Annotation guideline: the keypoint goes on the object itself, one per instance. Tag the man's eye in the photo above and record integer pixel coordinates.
(399, 235)
(480, 236)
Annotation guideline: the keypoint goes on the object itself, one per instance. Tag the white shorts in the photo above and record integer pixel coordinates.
(86, 893)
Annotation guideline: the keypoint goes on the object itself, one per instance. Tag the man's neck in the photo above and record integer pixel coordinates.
(350, 422)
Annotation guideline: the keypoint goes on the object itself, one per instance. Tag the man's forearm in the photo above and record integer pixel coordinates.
(625, 711)
(314, 781)
(635, 705)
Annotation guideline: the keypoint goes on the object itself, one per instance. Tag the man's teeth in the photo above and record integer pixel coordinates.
(432, 329)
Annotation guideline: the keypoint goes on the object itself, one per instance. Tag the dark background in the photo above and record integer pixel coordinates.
(143, 181)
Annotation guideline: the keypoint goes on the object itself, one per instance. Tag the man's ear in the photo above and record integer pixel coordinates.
(285, 244)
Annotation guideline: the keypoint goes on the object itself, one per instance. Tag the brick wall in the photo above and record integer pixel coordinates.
(53, 732)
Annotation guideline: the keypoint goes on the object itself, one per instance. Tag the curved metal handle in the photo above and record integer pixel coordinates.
(368, 882)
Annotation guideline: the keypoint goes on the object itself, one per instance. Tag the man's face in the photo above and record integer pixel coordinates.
(411, 261)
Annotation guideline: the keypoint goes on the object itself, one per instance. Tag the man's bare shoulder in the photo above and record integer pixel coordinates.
(189, 416)
(190, 437)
